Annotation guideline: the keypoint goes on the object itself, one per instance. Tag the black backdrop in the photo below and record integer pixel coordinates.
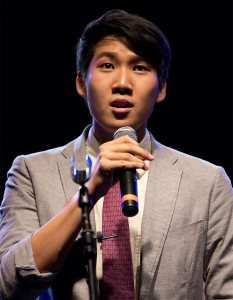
(40, 108)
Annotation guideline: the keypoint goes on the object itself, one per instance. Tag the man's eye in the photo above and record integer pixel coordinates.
(140, 68)
(107, 66)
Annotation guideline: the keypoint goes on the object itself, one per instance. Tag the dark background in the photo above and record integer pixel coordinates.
(40, 108)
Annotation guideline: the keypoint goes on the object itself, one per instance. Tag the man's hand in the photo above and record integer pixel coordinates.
(121, 153)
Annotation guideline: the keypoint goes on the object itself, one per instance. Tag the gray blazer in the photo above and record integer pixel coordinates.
(187, 228)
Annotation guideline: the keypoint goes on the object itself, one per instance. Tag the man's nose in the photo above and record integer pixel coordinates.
(123, 82)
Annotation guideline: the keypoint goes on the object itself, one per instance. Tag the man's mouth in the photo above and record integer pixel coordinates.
(121, 108)
(121, 104)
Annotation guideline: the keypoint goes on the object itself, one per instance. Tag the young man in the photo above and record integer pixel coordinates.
(183, 233)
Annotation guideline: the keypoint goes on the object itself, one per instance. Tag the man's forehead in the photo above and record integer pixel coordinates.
(112, 46)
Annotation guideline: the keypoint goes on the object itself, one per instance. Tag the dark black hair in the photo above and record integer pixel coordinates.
(139, 34)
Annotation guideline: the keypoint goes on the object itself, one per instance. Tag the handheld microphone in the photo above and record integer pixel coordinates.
(128, 180)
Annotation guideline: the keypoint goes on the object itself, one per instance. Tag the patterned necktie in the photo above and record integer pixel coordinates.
(117, 282)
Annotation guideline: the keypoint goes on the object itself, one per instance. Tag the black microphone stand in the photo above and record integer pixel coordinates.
(88, 235)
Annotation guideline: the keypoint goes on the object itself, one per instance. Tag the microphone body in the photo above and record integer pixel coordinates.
(128, 180)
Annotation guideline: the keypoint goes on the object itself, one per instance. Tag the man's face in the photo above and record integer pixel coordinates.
(121, 89)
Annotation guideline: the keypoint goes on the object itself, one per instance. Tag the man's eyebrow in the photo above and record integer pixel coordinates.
(109, 54)
(113, 55)
(137, 59)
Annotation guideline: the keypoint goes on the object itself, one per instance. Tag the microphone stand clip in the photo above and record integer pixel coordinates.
(88, 235)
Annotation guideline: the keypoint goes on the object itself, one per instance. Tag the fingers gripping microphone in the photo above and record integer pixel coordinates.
(128, 181)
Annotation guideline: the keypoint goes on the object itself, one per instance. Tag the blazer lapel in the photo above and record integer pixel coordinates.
(162, 188)
(70, 187)
(78, 149)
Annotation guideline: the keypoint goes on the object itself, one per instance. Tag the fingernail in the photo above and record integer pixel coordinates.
(151, 156)
(146, 164)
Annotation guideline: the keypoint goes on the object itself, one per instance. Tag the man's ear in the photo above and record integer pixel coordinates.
(162, 92)
(80, 85)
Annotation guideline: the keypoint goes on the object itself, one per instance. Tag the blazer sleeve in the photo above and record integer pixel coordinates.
(219, 248)
(18, 220)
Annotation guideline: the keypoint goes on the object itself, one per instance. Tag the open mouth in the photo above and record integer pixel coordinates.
(118, 104)
(121, 108)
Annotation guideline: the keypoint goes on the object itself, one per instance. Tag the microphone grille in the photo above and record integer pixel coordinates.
(126, 130)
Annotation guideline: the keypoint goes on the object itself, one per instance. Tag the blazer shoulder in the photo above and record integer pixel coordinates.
(48, 159)
(188, 164)
(44, 159)
(61, 151)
